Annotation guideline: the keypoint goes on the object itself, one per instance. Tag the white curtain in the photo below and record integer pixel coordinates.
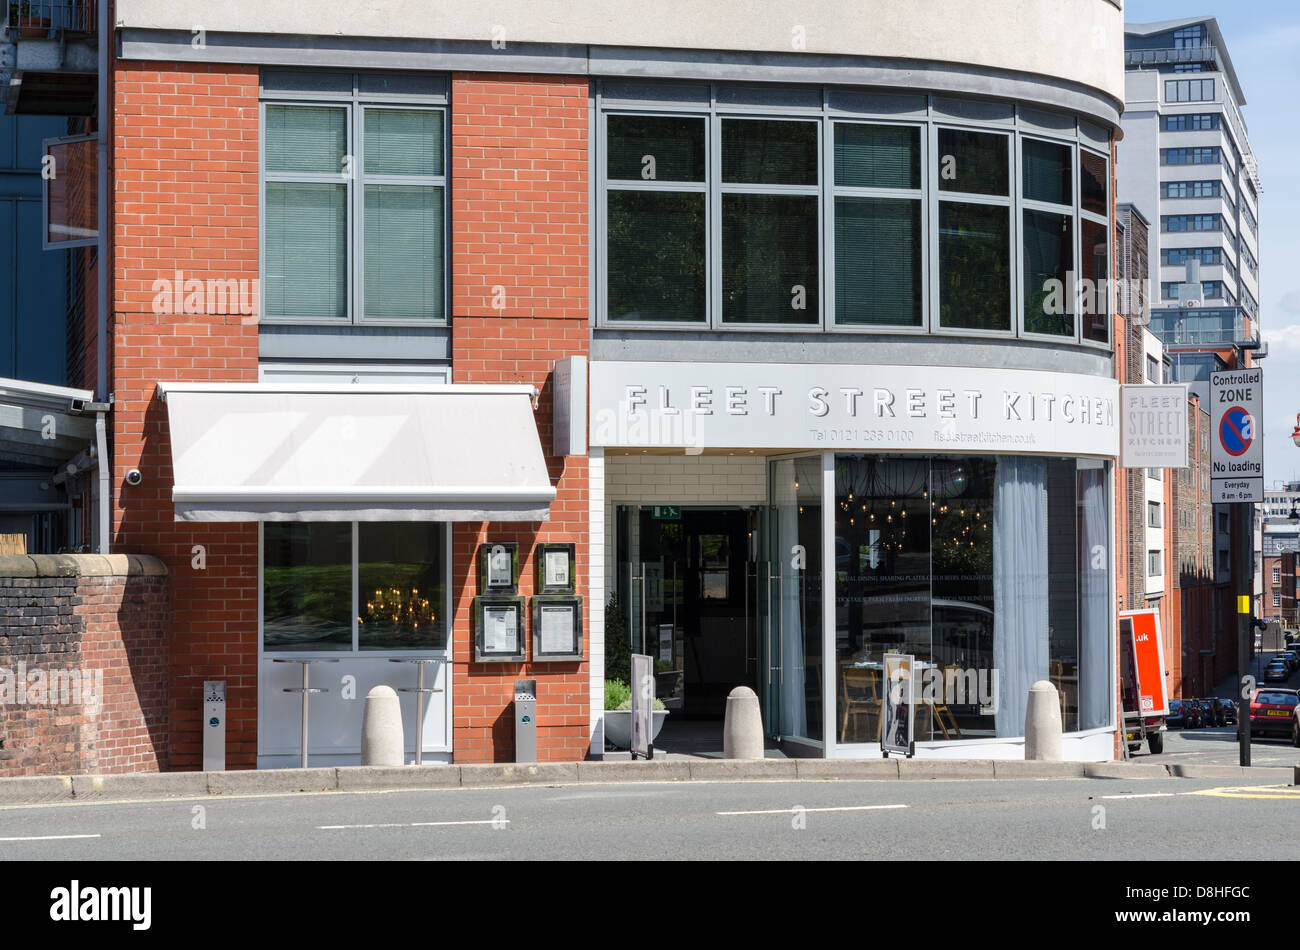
(793, 718)
(1020, 644)
(1094, 599)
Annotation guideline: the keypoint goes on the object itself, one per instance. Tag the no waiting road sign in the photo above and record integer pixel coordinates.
(1237, 453)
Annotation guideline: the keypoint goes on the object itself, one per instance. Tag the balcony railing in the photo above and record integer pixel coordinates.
(1160, 57)
(1202, 326)
(40, 19)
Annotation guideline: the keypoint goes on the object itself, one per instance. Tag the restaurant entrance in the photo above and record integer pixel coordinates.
(687, 585)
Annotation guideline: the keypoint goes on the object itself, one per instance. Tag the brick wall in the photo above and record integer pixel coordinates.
(106, 618)
(185, 164)
(519, 278)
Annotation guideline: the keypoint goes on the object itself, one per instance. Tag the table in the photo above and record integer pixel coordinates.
(306, 689)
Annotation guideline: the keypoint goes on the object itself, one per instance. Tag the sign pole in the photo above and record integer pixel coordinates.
(1245, 628)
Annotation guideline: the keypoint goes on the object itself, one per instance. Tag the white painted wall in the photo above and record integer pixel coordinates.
(1078, 40)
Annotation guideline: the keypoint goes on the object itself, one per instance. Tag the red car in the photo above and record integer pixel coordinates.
(1273, 710)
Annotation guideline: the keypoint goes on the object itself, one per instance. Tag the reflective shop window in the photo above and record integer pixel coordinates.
(310, 574)
(878, 230)
(986, 570)
(657, 219)
(974, 237)
(770, 266)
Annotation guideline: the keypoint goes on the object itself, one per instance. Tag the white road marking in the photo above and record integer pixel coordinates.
(791, 811)
(415, 824)
(51, 837)
(1146, 795)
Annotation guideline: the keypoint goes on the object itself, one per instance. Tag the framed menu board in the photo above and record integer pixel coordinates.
(498, 567)
(499, 629)
(556, 568)
(557, 627)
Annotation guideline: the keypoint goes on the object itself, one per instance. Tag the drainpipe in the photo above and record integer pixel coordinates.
(103, 113)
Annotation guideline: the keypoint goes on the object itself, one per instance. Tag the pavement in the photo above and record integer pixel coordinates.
(1130, 816)
(44, 789)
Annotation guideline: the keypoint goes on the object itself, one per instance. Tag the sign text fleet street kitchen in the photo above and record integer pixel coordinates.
(815, 405)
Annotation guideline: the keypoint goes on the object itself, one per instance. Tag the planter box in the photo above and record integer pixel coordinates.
(618, 726)
(33, 27)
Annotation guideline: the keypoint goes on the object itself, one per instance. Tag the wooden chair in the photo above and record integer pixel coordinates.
(861, 697)
(939, 708)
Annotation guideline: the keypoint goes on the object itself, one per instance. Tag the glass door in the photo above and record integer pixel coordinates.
(791, 601)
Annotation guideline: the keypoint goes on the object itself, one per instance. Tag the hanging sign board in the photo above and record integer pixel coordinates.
(1236, 441)
(1153, 426)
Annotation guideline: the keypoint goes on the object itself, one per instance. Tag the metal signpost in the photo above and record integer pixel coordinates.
(1237, 478)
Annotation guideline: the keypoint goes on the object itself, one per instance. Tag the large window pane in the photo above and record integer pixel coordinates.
(401, 586)
(882, 578)
(878, 262)
(655, 148)
(656, 256)
(404, 252)
(311, 139)
(306, 249)
(961, 525)
(403, 142)
(1094, 268)
(974, 266)
(306, 586)
(1093, 183)
(1048, 264)
(973, 162)
(769, 259)
(877, 156)
(761, 152)
(1046, 168)
(796, 594)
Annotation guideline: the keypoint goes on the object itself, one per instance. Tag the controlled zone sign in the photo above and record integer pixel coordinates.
(1237, 446)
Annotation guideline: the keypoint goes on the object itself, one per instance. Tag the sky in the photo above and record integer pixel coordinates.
(1263, 39)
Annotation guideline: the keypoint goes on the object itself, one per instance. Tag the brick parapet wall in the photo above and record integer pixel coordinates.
(98, 627)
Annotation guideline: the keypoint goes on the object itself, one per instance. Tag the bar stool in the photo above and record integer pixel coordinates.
(420, 690)
(306, 689)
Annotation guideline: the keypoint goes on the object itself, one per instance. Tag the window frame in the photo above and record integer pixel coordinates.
(355, 652)
(711, 106)
(354, 107)
(713, 161)
(926, 132)
(1011, 202)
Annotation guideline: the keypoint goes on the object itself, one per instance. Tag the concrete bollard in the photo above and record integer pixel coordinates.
(382, 741)
(742, 730)
(1043, 724)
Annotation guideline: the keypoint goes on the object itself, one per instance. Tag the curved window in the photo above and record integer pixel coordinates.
(726, 211)
(980, 567)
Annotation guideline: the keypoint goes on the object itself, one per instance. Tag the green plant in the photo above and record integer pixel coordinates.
(616, 693)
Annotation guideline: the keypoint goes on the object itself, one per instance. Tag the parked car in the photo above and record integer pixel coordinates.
(1210, 709)
(1177, 718)
(1229, 710)
(1293, 656)
(1273, 711)
(1276, 672)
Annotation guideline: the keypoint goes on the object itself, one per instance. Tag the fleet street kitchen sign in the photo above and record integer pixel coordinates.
(698, 406)
(1153, 426)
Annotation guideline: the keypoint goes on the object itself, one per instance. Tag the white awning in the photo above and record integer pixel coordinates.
(289, 452)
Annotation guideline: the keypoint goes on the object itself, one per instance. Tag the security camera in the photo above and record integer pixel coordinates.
(133, 477)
